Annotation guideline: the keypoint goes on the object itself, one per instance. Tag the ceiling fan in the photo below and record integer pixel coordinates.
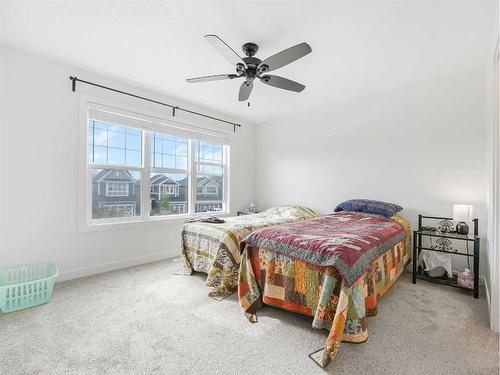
(251, 67)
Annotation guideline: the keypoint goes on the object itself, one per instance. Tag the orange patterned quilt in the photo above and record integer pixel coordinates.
(267, 277)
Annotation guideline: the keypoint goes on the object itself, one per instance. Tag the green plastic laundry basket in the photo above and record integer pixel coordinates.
(26, 286)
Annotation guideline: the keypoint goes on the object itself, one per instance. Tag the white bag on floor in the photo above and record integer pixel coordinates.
(432, 260)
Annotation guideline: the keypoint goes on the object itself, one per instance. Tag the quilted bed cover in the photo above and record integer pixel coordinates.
(214, 248)
(333, 268)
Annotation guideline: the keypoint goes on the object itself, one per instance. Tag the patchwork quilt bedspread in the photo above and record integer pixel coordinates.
(214, 248)
(290, 280)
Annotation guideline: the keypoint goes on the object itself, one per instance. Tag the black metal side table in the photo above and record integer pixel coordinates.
(418, 272)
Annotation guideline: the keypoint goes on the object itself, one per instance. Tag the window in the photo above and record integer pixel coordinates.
(169, 170)
(168, 152)
(179, 208)
(114, 145)
(211, 190)
(139, 168)
(172, 192)
(118, 209)
(116, 189)
(210, 171)
(208, 207)
(115, 164)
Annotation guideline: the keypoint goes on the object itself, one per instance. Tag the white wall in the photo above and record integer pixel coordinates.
(421, 146)
(39, 174)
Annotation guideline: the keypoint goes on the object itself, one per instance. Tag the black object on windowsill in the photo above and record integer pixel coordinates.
(241, 213)
(212, 220)
(418, 271)
(209, 220)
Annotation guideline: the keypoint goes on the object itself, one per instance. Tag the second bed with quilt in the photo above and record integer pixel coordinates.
(214, 248)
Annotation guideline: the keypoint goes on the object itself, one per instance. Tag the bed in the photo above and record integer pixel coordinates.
(214, 248)
(333, 268)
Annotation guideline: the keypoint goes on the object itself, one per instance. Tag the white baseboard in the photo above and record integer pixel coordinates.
(100, 268)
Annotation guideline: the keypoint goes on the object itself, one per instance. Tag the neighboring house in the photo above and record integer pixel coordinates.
(209, 194)
(172, 192)
(116, 193)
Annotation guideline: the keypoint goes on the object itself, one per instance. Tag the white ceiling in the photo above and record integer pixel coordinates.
(359, 47)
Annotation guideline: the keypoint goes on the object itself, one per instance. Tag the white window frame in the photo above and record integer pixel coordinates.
(225, 180)
(117, 193)
(86, 223)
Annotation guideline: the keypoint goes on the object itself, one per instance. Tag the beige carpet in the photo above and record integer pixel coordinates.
(144, 320)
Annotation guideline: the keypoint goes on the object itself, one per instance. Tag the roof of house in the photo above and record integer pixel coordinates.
(162, 179)
(105, 174)
(202, 181)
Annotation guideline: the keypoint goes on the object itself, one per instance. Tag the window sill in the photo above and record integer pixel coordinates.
(116, 225)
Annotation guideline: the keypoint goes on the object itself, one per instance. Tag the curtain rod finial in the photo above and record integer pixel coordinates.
(73, 83)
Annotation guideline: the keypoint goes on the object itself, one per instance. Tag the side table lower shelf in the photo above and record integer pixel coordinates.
(445, 281)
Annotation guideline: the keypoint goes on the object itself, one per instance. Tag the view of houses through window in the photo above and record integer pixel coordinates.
(169, 193)
(115, 193)
(209, 163)
(120, 173)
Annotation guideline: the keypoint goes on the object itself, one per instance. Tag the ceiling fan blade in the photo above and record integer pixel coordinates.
(224, 49)
(286, 56)
(245, 90)
(282, 83)
(217, 77)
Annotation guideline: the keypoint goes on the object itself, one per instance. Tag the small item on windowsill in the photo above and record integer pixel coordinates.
(251, 209)
(212, 220)
(465, 279)
(209, 219)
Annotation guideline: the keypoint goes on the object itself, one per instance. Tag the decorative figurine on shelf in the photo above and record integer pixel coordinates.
(444, 244)
(462, 213)
(445, 226)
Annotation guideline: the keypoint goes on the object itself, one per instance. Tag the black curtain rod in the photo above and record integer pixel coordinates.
(74, 80)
